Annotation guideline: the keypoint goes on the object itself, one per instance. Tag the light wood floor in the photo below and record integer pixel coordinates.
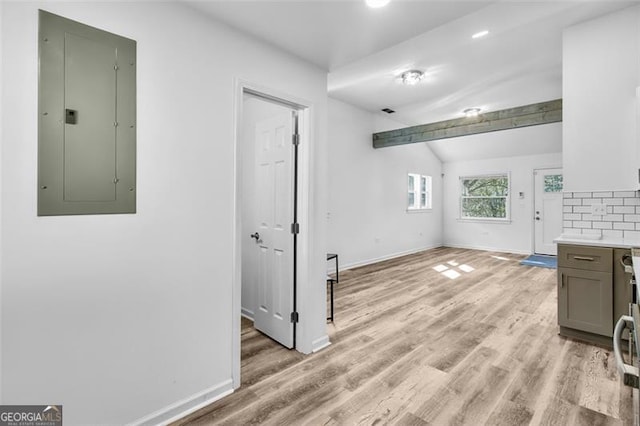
(411, 346)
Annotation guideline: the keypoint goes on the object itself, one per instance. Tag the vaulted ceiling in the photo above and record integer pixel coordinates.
(365, 50)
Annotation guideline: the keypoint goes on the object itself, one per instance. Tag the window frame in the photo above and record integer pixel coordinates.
(507, 198)
(418, 192)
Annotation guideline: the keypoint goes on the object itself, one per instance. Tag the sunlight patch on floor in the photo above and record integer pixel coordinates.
(500, 258)
(450, 272)
(466, 268)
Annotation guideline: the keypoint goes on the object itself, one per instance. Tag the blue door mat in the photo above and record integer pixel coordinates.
(541, 261)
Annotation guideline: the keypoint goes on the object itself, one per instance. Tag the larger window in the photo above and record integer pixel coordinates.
(484, 197)
(418, 192)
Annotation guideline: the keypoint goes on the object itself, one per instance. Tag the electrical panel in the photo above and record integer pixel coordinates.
(86, 119)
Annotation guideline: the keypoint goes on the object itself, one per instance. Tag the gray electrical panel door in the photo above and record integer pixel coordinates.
(87, 120)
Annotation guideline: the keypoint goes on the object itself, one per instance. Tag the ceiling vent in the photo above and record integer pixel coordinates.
(388, 110)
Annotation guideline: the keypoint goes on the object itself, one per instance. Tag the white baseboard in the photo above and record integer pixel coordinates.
(248, 314)
(189, 405)
(503, 250)
(321, 343)
(385, 257)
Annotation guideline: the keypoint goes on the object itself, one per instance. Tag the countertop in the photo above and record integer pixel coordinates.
(604, 242)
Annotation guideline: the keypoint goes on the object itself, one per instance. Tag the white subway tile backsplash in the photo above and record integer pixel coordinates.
(624, 225)
(590, 201)
(623, 194)
(602, 225)
(582, 224)
(624, 209)
(622, 219)
(582, 195)
(613, 234)
(603, 194)
(632, 234)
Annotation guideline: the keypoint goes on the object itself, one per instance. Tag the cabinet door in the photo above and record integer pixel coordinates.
(585, 300)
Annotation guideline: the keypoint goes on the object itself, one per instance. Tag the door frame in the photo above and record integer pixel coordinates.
(533, 202)
(304, 110)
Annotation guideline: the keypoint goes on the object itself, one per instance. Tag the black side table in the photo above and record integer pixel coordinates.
(331, 281)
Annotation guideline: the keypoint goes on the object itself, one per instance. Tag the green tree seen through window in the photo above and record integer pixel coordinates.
(484, 197)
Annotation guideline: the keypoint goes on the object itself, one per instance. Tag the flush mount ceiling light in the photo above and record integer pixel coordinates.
(480, 34)
(412, 77)
(471, 112)
(377, 3)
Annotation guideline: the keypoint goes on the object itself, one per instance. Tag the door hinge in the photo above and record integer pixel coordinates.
(294, 317)
(295, 228)
(296, 139)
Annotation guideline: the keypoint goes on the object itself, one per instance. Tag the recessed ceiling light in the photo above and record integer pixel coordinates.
(377, 3)
(412, 77)
(471, 112)
(480, 34)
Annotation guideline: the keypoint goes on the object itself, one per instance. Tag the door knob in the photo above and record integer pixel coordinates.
(256, 236)
(537, 218)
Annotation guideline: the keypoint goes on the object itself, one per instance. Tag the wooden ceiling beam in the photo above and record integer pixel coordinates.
(512, 118)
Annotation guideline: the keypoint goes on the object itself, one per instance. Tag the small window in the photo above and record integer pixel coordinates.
(418, 192)
(484, 197)
(553, 183)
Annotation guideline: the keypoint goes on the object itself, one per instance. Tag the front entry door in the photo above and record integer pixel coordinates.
(548, 210)
(273, 235)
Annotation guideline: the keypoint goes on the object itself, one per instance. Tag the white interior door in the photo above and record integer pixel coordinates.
(274, 214)
(547, 209)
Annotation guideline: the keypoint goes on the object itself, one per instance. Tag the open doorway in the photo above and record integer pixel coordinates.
(267, 225)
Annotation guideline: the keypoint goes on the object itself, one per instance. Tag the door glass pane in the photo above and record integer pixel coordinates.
(553, 183)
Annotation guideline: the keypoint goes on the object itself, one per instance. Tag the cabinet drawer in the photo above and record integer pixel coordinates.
(585, 257)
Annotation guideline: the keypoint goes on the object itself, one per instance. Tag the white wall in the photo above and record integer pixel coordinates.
(601, 71)
(117, 316)
(1, 145)
(367, 205)
(517, 235)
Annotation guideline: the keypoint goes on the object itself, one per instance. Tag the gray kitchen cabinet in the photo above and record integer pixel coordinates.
(585, 289)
